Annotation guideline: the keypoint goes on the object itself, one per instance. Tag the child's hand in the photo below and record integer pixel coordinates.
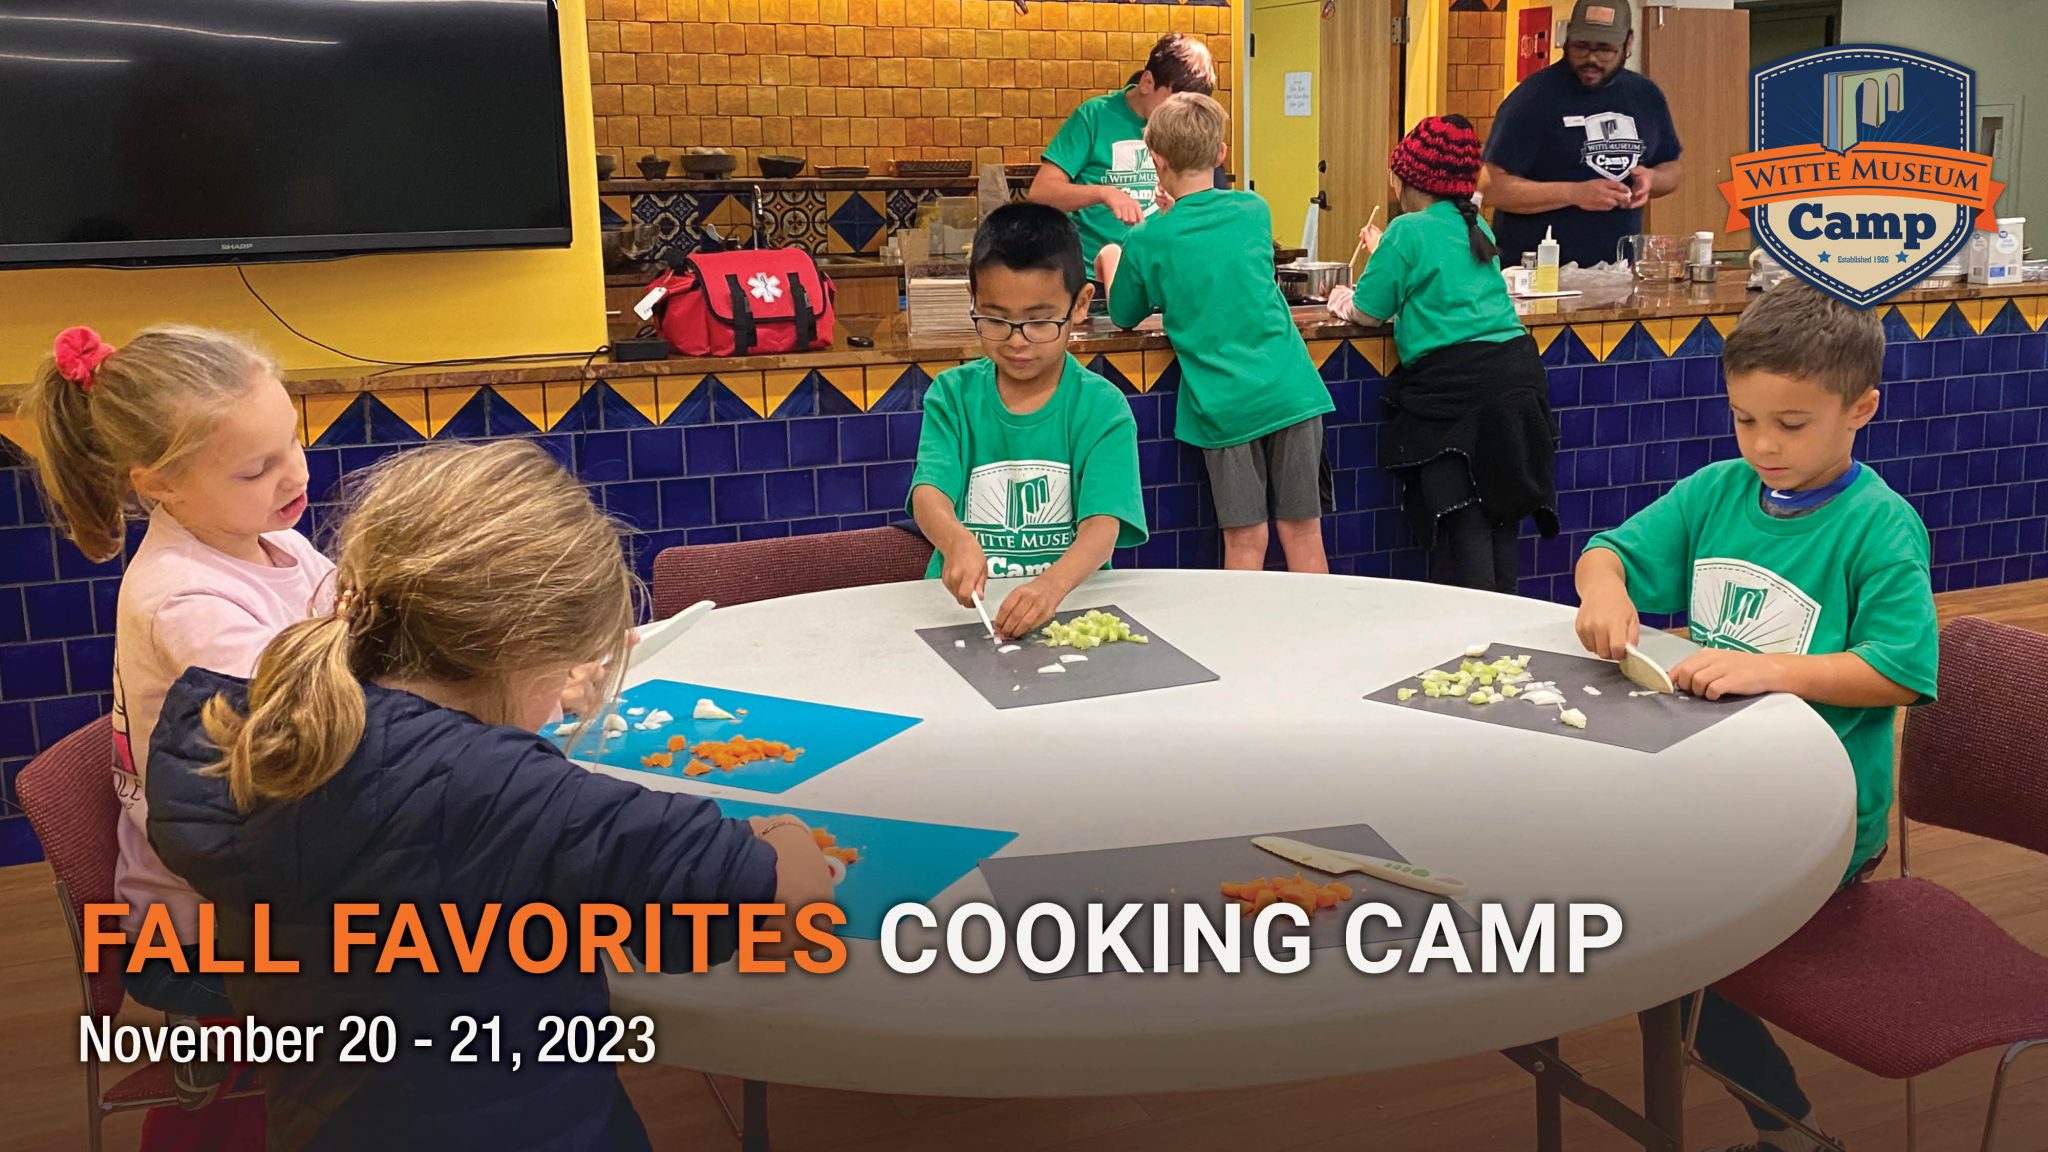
(1119, 201)
(587, 690)
(1717, 672)
(1370, 237)
(965, 571)
(801, 877)
(1162, 199)
(1608, 624)
(1340, 302)
(1027, 608)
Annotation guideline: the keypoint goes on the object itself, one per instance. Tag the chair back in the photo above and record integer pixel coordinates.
(1976, 760)
(751, 570)
(68, 793)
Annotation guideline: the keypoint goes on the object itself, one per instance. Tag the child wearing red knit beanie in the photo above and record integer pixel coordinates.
(1471, 435)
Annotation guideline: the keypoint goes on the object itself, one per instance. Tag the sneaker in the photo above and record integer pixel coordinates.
(197, 1082)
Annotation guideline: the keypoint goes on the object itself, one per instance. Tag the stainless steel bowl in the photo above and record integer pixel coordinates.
(1323, 275)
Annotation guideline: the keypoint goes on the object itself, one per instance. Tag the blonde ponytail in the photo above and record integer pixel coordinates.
(305, 716)
(469, 566)
(149, 404)
(87, 490)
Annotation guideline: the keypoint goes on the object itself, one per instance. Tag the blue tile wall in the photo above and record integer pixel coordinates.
(1962, 431)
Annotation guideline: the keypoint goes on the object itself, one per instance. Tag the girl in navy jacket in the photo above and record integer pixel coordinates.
(385, 753)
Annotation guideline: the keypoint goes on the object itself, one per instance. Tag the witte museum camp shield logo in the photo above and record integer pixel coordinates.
(1861, 181)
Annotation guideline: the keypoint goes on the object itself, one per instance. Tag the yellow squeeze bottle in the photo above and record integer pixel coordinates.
(1546, 264)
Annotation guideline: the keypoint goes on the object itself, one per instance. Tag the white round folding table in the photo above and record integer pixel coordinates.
(1714, 850)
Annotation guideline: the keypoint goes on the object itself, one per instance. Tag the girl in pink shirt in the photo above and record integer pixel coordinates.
(193, 430)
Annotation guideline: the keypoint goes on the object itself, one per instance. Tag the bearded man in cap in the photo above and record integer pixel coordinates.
(1580, 146)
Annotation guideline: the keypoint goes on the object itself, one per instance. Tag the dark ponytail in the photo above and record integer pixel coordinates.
(1482, 248)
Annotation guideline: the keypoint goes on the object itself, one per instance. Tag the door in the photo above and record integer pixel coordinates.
(1286, 100)
(1361, 80)
(1700, 58)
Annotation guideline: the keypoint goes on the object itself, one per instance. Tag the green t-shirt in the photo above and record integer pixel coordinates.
(1423, 278)
(1208, 265)
(1103, 142)
(1850, 577)
(1021, 484)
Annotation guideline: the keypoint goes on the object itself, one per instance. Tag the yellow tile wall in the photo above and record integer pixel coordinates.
(1477, 60)
(867, 81)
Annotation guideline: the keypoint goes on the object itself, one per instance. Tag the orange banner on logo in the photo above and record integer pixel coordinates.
(1804, 171)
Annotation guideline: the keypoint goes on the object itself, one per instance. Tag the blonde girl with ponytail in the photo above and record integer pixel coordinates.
(385, 751)
(191, 431)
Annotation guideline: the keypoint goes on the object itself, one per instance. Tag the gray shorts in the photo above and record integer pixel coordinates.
(1282, 475)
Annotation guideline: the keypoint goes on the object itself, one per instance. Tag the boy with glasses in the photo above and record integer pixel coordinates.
(1027, 464)
(1250, 396)
(1579, 147)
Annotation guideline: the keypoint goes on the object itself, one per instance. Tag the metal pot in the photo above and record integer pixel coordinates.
(1323, 275)
(1293, 284)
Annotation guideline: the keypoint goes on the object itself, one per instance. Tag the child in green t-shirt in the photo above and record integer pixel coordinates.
(1027, 463)
(1095, 167)
(1250, 396)
(1801, 572)
(1471, 434)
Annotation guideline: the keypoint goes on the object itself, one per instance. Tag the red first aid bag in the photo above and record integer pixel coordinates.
(746, 302)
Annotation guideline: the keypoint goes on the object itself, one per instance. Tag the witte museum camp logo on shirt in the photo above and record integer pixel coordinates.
(1862, 181)
(1130, 168)
(1737, 605)
(1021, 508)
(1612, 147)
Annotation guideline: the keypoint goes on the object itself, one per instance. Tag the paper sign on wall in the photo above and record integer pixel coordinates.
(1297, 94)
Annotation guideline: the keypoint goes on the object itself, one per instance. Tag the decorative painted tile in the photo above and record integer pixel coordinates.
(904, 394)
(632, 403)
(336, 419)
(565, 410)
(456, 414)
(523, 405)
(397, 417)
(736, 396)
(855, 221)
(682, 400)
(796, 219)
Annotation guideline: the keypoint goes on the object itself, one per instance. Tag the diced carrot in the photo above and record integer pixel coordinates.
(1265, 896)
(789, 757)
(1340, 889)
(678, 743)
(1326, 899)
(697, 768)
(1232, 890)
(823, 838)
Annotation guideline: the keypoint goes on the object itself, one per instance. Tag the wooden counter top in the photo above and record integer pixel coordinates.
(894, 345)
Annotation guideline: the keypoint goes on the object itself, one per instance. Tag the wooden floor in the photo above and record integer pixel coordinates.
(1470, 1105)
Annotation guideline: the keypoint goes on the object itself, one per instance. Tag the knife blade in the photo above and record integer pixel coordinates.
(660, 634)
(1337, 863)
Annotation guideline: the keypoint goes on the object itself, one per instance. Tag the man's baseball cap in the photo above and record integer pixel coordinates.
(1598, 22)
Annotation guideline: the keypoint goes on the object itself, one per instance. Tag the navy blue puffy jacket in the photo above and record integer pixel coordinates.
(438, 807)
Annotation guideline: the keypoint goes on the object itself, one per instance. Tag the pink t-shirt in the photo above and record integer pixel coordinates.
(183, 605)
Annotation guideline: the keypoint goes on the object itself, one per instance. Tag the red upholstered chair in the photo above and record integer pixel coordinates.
(68, 793)
(785, 566)
(1899, 977)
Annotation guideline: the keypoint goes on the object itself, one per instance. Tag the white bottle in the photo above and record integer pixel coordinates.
(1699, 260)
(1546, 264)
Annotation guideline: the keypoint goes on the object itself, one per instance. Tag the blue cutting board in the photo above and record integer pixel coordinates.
(829, 735)
(899, 860)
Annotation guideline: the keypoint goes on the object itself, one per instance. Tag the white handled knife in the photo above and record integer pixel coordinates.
(660, 634)
(1337, 863)
(1645, 672)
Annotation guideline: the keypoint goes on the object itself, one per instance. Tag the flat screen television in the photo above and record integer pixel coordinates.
(208, 131)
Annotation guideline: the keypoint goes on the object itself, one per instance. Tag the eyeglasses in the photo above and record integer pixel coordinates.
(1597, 51)
(997, 330)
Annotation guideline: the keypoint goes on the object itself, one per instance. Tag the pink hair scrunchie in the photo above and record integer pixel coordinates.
(79, 352)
